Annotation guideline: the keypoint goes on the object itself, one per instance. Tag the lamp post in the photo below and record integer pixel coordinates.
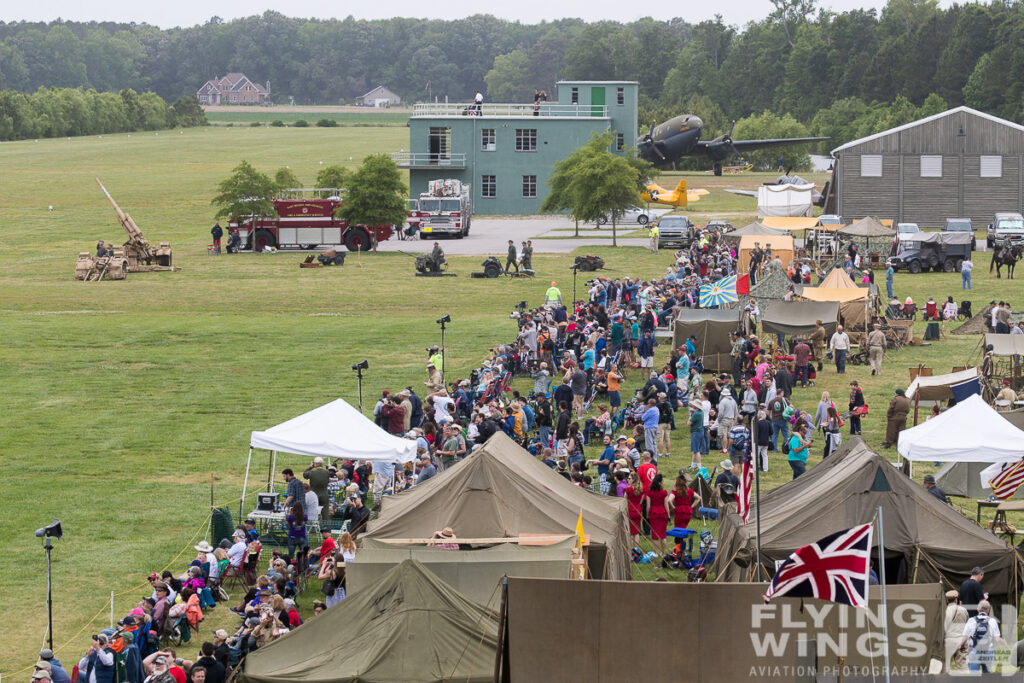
(442, 321)
(359, 367)
(48, 533)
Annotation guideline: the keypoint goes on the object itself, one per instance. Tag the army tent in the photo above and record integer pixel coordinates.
(782, 247)
(964, 479)
(837, 286)
(752, 229)
(501, 491)
(798, 317)
(711, 327)
(1005, 344)
(970, 431)
(939, 387)
(793, 223)
(406, 626)
(926, 540)
(473, 573)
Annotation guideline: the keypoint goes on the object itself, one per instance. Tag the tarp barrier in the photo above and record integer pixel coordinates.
(798, 317)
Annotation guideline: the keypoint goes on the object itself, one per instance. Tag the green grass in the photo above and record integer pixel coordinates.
(123, 397)
(383, 118)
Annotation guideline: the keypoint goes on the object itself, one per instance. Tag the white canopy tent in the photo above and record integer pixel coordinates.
(785, 200)
(334, 430)
(970, 431)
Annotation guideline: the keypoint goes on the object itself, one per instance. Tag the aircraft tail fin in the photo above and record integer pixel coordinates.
(681, 187)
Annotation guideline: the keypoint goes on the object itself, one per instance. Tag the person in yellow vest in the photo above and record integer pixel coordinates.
(654, 238)
(553, 297)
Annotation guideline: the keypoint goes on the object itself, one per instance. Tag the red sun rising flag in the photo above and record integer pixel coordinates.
(1006, 483)
(836, 569)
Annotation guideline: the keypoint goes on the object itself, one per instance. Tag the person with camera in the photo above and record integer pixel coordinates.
(97, 665)
(357, 515)
(332, 574)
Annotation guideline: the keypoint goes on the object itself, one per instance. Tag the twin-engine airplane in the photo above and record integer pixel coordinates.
(679, 137)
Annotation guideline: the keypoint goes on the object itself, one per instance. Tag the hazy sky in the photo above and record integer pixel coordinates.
(190, 12)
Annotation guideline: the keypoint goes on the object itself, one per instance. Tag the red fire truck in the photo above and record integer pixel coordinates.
(444, 209)
(306, 219)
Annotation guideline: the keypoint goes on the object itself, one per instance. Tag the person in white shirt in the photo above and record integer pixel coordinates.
(443, 404)
(237, 552)
(965, 273)
(840, 346)
(981, 632)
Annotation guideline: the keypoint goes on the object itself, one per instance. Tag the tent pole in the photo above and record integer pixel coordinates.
(270, 474)
(245, 484)
(757, 494)
(502, 617)
(885, 604)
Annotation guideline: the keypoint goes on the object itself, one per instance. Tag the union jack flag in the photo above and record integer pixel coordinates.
(1006, 483)
(836, 569)
(746, 481)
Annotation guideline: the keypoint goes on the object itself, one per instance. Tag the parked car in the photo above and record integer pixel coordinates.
(961, 225)
(723, 226)
(675, 230)
(905, 228)
(633, 214)
(830, 219)
(1006, 227)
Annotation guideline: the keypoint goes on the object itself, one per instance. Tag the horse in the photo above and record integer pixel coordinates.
(1006, 256)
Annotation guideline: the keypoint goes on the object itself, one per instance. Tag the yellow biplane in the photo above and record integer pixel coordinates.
(656, 194)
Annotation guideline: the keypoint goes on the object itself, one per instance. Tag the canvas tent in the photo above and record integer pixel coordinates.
(854, 301)
(782, 247)
(334, 430)
(752, 229)
(473, 573)
(711, 327)
(970, 431)
(501, 491)
(925, 539)
(785, 200)
(798, 317)
(406, 626)
(1006, 344)
(964, 479)
(939, 387)
(792, 223)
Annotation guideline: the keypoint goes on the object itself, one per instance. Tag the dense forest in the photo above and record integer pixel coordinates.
(839, 74)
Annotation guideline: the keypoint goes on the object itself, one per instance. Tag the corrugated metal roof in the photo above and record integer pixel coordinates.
(929, 119)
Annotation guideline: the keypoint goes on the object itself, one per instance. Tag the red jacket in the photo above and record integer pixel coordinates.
(395, 415)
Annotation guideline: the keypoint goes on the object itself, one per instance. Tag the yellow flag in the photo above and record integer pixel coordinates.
(581, 538)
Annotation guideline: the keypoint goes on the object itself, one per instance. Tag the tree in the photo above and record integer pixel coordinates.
(285, 179)
(246, 192)
(376, 194)
(769, 125)
(332, 177)
(506, 81)
(188, 112)
(592, 183)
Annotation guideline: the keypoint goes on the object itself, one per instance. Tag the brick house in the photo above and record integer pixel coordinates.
(234, 88)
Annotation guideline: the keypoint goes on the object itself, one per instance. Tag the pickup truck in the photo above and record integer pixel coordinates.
(675, 230)
(1006, 227)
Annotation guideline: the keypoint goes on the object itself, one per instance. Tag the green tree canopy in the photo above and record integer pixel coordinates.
(332, 177)
(768, 125)
(245, 192)
(285, 179)
(507, 79)
(376, 194)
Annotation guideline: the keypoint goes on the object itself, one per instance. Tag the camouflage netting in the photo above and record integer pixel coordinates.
(976, 325)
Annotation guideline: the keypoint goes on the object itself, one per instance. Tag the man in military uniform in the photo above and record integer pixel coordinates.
(511, 260)
(818, 342)
(437, 256)
(896, 418)
(526, 255)
(755, 262)
(876, 349)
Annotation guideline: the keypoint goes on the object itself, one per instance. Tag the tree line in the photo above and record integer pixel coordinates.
(59, 112)
(798, 61)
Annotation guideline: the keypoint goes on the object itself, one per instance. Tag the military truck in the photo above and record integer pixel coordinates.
(938, 251)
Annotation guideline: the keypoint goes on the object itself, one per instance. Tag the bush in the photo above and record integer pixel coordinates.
(301, 123)
(230, 125)
(255, 124)
(277, 123)
(327, 123)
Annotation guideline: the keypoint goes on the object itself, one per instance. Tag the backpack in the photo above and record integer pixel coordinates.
(785, 447)
(982, 638)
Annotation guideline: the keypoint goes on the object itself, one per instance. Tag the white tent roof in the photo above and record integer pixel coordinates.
(785, 200)
(335, 430)
(970, 431)
(939, 387)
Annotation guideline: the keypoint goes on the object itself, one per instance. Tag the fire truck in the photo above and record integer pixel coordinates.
(444, 209)
(306, 219)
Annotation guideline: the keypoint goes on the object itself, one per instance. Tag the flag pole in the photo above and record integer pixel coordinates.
(757, 492)
(885, 604)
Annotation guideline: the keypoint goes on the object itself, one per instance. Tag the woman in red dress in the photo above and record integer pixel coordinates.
(635, 496)
(657, 511)
(682, 501)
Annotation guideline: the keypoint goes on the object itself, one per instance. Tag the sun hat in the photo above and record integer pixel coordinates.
(204, 547)
(725, 464)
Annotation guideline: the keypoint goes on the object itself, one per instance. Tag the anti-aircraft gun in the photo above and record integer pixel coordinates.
(141, 255)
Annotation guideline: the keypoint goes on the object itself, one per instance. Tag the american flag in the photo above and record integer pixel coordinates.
(746, 481)
(836, 569)
(1006, 483)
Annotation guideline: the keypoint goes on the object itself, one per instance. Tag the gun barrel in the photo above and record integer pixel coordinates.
(120, 213)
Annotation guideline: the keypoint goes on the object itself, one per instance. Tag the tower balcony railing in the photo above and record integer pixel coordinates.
(548, 109)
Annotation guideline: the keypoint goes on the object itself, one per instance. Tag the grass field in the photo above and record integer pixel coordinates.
(344, 116)
(123, 397)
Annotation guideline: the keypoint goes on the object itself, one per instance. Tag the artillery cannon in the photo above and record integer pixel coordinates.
(588, 264)
(141, 255)
(428, 266)
(96, 268)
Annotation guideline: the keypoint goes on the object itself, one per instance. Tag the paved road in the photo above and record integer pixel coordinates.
(490, 236)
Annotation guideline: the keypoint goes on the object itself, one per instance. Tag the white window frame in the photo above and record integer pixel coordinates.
(488, 140)
(871, 165)
(484, 185)
(529, 186)
(990, 166)
(931, 166)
